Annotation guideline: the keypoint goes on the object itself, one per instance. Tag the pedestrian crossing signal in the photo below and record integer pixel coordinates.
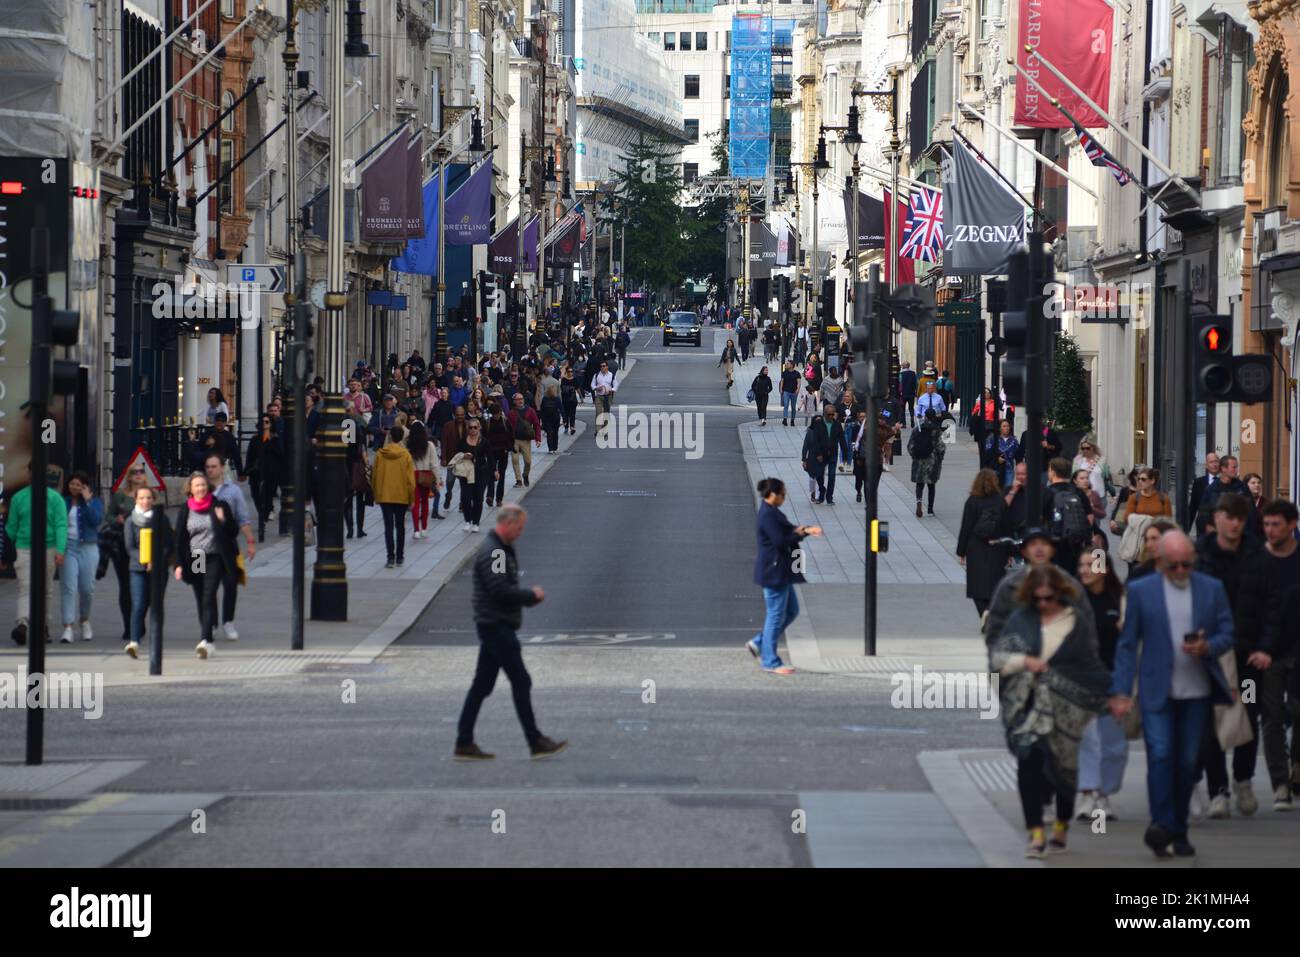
(1219, 376)
(879, 535)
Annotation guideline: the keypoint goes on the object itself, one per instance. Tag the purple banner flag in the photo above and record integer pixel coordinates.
(415, 189)
(384, 183)
(469, 210)
(505, 244)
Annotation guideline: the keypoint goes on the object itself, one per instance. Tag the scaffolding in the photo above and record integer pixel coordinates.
(761, 83)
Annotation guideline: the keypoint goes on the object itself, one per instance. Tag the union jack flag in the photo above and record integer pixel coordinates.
(1099, 157)
(923, 235)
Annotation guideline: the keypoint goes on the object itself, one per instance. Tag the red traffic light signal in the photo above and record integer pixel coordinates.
(1216, 339)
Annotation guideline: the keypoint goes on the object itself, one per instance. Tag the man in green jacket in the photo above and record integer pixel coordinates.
(18, 526)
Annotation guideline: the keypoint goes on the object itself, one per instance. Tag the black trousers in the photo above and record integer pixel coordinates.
(264, 497)
(1035, 790)
(500, 460)
(569, 414)
(761, 402)
(356, 502)
(552, 436)
(229, 593)
(928, 486)
(498, 651)
(981, 606)
(205, 594)
(394, 529)
(122, 568)
(1214, 761)
(471, 498)
(859, 474)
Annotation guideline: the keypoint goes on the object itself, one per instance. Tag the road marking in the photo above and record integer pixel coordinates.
(643, 470)
(598, 637)
(873, 729)
(630, 493)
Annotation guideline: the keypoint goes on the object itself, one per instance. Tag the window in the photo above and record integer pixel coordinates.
(692, 86)
(690, 172)
(1232, 99)
(686, 40)
(701, 41)
(726, 86)
(653, 37)
(228, 8)
(693, 130)
(227, 101)
(225, 191)
(670, 41)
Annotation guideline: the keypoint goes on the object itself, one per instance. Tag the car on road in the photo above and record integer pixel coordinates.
(682, 326)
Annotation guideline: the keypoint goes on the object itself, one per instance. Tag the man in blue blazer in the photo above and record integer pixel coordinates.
(1176, 626)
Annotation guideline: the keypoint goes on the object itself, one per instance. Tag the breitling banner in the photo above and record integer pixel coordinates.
(983, 222)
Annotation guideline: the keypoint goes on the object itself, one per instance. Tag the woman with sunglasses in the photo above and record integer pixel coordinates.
(472, 465)
(216, 403)
(1103, 750)
(1052, 684)
(1090, 460)
(1149, 500)
(265, 468)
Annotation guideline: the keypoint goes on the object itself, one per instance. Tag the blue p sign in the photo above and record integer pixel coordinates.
(249, 275)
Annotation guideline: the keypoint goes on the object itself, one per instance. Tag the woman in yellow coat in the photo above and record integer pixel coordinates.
(393, 482)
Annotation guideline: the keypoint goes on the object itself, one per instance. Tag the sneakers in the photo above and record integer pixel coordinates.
(1182, 847)
(1103, 804)
(751, 647)
(1086, 806)
(471, 752)
(86, 633)
(19, 634)
(400, 560)
(1197, 807)
(1218, 807)
(204, 649)
(544, 747)
(464, 527)
(1246, 802)
(228, 629)
(473, 527)
(1282, 798)
(66, 637)
(390, 564)
(133, 649)
(1037, 849)
(1057, 844)
(415, 536)
(782, 670)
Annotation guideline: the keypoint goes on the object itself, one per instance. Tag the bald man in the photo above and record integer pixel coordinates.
(1176, 626)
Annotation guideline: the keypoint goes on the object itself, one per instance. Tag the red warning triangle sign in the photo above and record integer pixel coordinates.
(151, 471)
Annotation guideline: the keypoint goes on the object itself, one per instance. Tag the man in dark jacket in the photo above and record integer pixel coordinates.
(1198, 489)
(1228, 554)
(778, 567)
(1049, 441)
(1226, 481)
(1069, 527)
(823, 444)
(383, 419)
(907, 385)
(498, 613)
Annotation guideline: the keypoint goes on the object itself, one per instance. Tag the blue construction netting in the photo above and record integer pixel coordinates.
(751, 94)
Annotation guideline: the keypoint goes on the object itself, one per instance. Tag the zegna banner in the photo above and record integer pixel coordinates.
(983, 222)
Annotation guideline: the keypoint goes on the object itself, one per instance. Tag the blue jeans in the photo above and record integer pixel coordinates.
(77, 579)
(782, 608)
(788, 400)
(139, 603)
(1173, 739)
(1103, 756)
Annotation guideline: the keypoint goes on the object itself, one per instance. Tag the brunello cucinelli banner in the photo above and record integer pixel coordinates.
(984, 223)
(385, 209)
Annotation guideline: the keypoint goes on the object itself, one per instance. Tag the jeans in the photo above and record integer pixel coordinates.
(498, 650)
(824, 472)
(1103, 755)
(77, 579)
(1036, 790)
(1173, 739)
(1272, 686)
(788, 399)
(782, 609)
(394, 527)
(139, 604)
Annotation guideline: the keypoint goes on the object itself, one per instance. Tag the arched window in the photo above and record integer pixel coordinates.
(1279, 141)
(227, 101)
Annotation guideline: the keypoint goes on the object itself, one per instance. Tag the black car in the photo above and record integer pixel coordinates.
(682, 326)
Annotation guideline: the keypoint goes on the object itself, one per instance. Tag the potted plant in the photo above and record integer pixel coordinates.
(1069, 408)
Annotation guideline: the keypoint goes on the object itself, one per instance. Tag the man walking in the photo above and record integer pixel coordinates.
(907, 385)
(498, 613)
(1226, 481)
(931, 399)
(1198, 488)
(602, 386)
(526, 428)
(1176, 626)
(18, 526)
(823, 444)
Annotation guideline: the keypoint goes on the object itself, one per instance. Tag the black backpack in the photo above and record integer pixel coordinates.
(1069, 520)
(986, 523)
(524, 430)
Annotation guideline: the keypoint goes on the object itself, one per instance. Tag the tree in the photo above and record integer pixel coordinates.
(1069, 409)
(649, 207)
(706, 253)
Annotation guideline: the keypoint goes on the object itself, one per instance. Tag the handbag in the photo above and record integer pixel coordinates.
(424, 478)
(360, 480)
(749, 396)
(1232, 724)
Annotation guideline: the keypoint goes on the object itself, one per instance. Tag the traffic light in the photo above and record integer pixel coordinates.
(1015, 331)
(61, 376)
(1219, 375)
(862, 366)
(826, 305)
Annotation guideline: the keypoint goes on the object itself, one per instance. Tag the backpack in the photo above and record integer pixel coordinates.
(524, 430)
(986, 524)
(1069, 520)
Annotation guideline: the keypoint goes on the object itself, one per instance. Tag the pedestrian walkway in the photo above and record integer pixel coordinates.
(382, 604)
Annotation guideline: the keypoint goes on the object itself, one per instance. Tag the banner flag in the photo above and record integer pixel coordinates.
(1076, 37)
(984, 223)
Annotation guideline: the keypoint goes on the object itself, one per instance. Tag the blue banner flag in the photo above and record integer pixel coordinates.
(469, 210)
(421, 255)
